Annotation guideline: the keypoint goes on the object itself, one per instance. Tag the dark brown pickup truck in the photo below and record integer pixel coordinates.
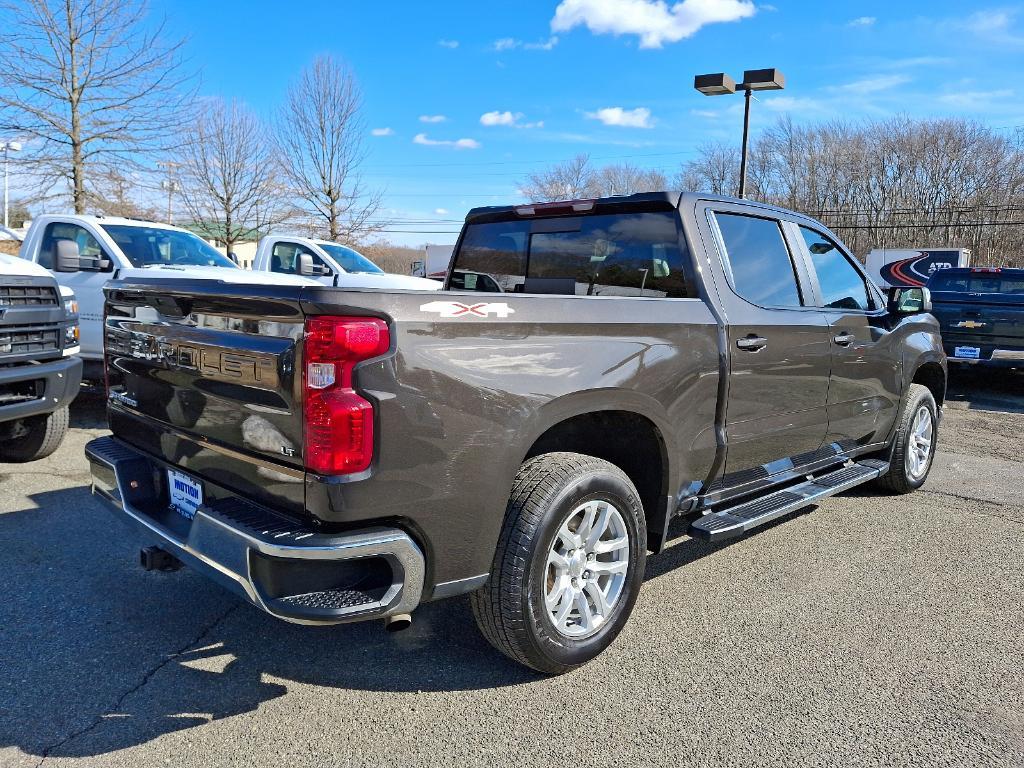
(335, 455)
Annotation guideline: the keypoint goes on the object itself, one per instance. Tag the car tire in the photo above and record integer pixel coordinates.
(545, 570)
(43, 436)
(911, 461)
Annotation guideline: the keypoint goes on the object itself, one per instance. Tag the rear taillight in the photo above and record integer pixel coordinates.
(338, 422)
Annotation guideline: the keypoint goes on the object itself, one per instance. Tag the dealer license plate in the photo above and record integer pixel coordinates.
(186, 493)
(970, 353)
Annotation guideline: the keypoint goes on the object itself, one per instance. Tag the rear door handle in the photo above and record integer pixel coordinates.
(752, 343)
(844, 339)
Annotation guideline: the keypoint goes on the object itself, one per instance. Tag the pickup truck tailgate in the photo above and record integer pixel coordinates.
(202, 375)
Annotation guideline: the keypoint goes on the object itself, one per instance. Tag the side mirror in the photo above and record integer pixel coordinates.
(661, 268)
(68, 258)
(911, 301)
(305, 265)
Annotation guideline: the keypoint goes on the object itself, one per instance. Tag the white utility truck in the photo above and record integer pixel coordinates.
(329, 263)
(107, 248)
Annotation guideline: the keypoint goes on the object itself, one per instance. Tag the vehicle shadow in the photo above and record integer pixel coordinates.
(986, 390)
(89, 409)
(137, 655)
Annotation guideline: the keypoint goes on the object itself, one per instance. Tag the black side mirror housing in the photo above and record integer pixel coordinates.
(67, 258)
(910, 301)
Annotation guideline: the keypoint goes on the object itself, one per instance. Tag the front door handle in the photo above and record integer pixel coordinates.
(752, 343)
(844, 339)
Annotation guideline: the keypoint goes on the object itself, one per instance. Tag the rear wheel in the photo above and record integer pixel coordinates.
(569, 563)
(914, 445)
(36, 437)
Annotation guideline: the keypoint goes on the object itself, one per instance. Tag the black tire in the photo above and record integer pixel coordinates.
(510, 609)
(899, 479)
(44, 436)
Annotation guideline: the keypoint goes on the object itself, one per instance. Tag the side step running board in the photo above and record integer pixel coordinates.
(731, 522)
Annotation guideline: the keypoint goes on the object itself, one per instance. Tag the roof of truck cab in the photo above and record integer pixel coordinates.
(622, 203)
(103, 220)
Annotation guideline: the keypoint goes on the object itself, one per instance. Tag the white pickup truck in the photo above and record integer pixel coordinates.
(109, 248)
(331, 264)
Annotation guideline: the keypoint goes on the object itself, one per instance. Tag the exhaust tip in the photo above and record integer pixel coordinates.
(397, 623)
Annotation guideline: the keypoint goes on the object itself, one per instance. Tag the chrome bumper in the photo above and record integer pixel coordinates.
(296, 574)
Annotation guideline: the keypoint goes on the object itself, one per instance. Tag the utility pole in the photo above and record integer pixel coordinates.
(8, 146)
(170, 184)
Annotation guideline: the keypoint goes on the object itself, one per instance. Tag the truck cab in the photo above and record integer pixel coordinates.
(330, 264)
(104, 248)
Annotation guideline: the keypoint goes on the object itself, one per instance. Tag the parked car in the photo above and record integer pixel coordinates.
(981, 312)
(106, 247)
(39, 367)
(661, 356)
(329, 263)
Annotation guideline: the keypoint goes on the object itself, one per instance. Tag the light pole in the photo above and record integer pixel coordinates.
(720, 84)
(170, 183)
(8, 146)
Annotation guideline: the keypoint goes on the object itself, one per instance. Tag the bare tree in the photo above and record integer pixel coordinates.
(227, 172)
(897, 183)
(570, 180)
(89, 86)
(114, 193)
(626, 179)
(319, 135)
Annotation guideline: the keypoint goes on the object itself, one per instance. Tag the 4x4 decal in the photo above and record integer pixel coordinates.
(458, 309)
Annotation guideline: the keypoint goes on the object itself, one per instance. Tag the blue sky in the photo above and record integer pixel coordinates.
(609, 77)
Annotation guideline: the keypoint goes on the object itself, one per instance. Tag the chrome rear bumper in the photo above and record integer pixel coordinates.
(294, 573)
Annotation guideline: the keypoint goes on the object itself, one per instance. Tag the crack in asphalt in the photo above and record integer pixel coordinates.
(976, 500)
(101, 718)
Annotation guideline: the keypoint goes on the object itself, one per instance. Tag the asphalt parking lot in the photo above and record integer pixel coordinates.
(869, 630)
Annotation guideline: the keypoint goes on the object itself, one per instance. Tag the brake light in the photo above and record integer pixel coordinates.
(338, 421)
(986, 269)
(562, 206)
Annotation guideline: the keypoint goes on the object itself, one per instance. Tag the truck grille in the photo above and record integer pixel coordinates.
(21, 341)
(27, 296)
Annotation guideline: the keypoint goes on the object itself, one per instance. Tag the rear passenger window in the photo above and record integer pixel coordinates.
(842, 286)
(627, 254)
(762, 269)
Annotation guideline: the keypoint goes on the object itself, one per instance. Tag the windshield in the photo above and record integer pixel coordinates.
(977, 282)
(145, 246)
(349, 260)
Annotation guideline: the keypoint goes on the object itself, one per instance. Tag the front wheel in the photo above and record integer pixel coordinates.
(569, 563)
(914, 445)
(36, 437)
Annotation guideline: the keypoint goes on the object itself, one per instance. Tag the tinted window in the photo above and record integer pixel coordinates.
(154, 245)
(88, 246)
(842, 286)
(978, 282)
(635, 254)
(762, 270)
(284, 257)
(351, 261)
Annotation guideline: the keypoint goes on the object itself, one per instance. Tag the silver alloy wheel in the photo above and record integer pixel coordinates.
(919, 443)
(586, 569)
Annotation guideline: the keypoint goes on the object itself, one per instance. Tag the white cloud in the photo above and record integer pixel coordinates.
(791, 104)
(626, 118)
(653, 21)
(511, 43)
(448, 43)
(873, 84)
(975, 99)
(996, 26)
(421, 138)
(862, 21)
(500, 118)
(441, 211)
(432, 118)
(382, 132)
(510, 119)
(542, 45)
(709, 114)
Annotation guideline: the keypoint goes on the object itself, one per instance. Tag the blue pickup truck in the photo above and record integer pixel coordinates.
(981, 311)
